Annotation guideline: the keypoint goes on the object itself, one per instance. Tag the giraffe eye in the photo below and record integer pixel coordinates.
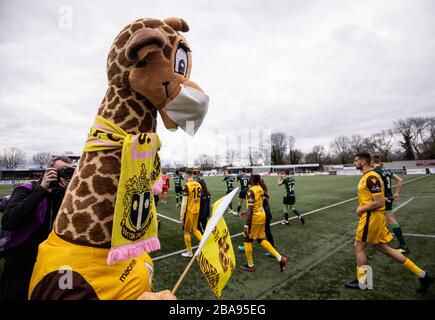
(181, 61)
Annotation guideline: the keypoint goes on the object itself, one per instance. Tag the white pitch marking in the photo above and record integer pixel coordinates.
(278, 222)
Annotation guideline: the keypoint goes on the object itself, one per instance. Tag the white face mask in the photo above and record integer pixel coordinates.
(188, 109)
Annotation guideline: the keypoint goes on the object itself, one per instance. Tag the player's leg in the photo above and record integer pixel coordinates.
(269, 235)
(422, 275)
(281, 259)
(249, 257)
(294, 210)
(285, 211)
(197, 234)
(188, 243)
(395, 227)
(230, 206)
(240, 202)
(361, 260)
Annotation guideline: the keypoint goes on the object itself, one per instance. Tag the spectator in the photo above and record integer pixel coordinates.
(204, 209)
(29, 217)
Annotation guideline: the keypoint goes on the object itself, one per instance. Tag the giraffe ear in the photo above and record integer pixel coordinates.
(142, 39)
(177, 24)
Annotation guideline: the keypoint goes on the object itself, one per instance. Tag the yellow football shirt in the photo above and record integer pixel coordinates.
(192, 190)
(370, 185)
(254, 198)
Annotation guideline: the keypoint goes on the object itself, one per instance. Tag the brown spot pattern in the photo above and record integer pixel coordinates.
(136, 107)
(109, 164)
(103, 185)
(87, 171)
(103, 209)
(153, 23)
(84, 204)
(122, 39)
(83, 189)
(96, 234)
(121, 114)
(62, 222)
(81, 221)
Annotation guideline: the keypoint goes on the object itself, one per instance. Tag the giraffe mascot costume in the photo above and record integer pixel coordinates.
(93, 252)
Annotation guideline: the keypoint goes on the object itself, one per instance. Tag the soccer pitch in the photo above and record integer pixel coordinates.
(320, 253)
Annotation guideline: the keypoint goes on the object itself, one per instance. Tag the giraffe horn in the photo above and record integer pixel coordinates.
(177, 24)
(143, 38)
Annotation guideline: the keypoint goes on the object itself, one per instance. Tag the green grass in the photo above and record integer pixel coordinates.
(5, 189)
(321, 257)
(320, 253)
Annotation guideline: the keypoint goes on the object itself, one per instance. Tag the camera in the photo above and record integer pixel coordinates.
(65, 172)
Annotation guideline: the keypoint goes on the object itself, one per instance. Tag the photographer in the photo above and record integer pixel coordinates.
(29, 217)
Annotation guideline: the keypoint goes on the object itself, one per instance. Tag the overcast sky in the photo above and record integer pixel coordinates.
(314, 69)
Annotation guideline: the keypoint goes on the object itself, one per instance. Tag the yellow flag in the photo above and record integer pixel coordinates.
(216, 258)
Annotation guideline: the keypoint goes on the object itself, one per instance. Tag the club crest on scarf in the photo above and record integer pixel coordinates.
(137, 203)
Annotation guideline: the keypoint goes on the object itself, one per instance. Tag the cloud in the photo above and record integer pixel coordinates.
(314, 70)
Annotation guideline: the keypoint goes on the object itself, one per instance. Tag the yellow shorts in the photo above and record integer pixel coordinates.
(70, 271)
(191, 221)
(372, 228)
(257, 231)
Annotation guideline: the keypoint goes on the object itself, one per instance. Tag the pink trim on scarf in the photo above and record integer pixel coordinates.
(132, 250)
(137, 155)
(102, 143)
(102, 127)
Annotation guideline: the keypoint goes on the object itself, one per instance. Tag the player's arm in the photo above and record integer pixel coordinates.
(280, 180)
(374, 186)
(399, 185)
(251, 199)
(377, 203)
(184, 204)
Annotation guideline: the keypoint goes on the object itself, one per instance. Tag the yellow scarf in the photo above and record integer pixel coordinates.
(135, 219)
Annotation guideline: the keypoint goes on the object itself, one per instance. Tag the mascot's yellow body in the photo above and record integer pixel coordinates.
(91, 254)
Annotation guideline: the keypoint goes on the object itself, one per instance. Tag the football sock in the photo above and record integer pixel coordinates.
(397, 230)
(188, 242)
(197, 234)
(296, 212)
(266, 245)
(285, 214)
(408, 264)
(231, 205)
(248, 253)
(176, 197)
(361, 274)
(238, 208)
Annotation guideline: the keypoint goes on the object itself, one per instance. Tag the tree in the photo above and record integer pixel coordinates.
(279, 147)
(382, 143)
(357, 144)
(42, 159)
(291, 149)
(418, 135)
(341, 147)
(12, 158)
(205, 162)
(297, 156)
(230, 156)
(316, 155)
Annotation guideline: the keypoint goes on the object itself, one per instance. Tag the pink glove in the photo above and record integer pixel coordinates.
(157, 187)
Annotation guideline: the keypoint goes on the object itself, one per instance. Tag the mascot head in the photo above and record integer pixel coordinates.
(153, 59)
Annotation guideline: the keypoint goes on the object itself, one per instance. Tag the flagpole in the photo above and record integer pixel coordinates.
(183, 275)
(211, 224)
